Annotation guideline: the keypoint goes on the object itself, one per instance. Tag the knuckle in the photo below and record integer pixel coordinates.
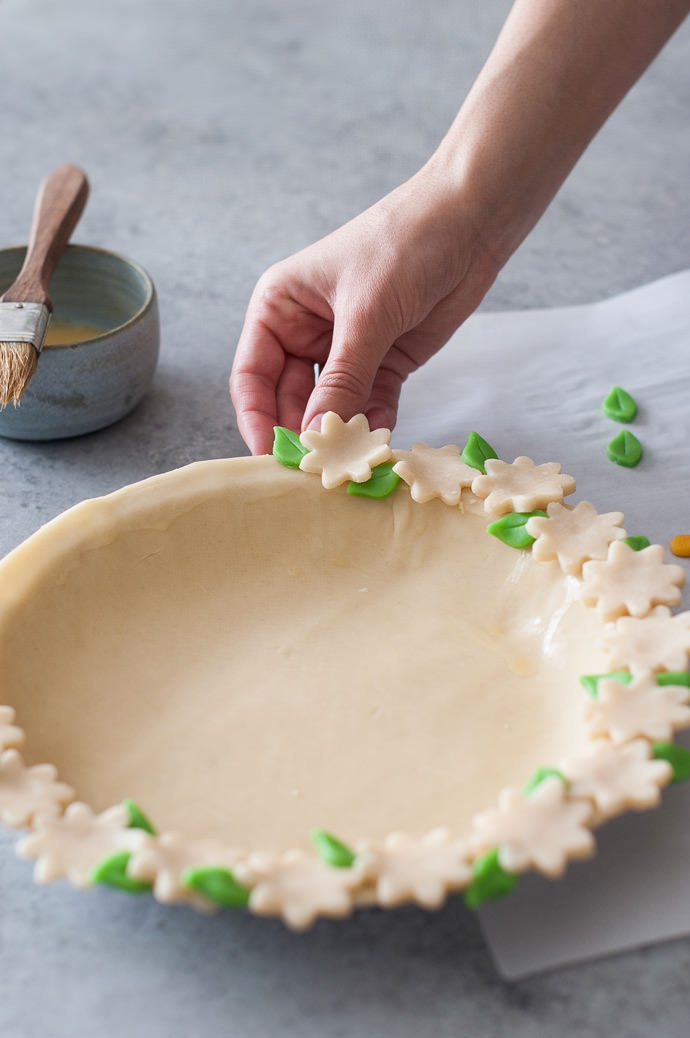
(345, 378)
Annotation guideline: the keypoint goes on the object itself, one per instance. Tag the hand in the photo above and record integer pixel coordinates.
(368, 304)
(375, 299)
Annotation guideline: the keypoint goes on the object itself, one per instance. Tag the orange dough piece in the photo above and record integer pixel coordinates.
(680, 545)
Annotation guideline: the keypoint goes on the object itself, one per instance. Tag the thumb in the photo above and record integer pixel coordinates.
(346, 380)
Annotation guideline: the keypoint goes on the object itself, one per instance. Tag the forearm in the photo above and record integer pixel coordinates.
(557, 71)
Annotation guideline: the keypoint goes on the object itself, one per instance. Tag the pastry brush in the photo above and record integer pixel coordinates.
(25, 307)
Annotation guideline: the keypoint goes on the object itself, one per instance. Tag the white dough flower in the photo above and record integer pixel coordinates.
(299, 887)
(642, 707)
(542, 829)
(69, 847)
(343, 451)
(573, 535)
(631, 582)
(421, 870)
(521, 486)
(616, 778)
(659, 641)
(26, 792)
(434, 472)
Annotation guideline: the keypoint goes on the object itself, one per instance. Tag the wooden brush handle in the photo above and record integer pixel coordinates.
(59, 204)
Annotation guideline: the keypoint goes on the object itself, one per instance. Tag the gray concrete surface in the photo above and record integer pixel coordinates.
(220, 136)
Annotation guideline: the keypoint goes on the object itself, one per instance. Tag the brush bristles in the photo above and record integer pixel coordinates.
(18, 361)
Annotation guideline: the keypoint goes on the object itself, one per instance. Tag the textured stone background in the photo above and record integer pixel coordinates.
(219, 136)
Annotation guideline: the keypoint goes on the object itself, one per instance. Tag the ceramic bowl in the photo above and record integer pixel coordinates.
(87, 385)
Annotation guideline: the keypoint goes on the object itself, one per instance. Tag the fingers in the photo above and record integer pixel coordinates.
(347, 379)
(287, 328)
(258, 366)
(294, 389)
(382, 408)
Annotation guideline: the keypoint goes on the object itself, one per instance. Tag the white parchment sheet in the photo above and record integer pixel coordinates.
(532, 382)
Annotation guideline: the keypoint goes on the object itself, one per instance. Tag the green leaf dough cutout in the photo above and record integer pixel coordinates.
(591, 681)
(137, 818)
(490, 880)
(288, 449)
(674, 677)
(619, 405)
(511, 530)
(112, 872)
(677, 756)
(218, 885)
(331, 850)
(381, 483)
(477, 451)
(539, 776)
(624, 449)
(638, 542)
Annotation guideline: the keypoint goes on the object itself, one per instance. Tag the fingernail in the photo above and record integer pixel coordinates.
(315, 423)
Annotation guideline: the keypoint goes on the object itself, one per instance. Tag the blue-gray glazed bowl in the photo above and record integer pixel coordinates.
(88, 385)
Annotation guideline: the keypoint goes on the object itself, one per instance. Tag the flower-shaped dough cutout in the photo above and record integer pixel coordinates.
(573, 535)
(299, 887)
(642, 707)
(343, 451)
(421, 870)
(659, 641)
(542, 829)
(11, 736)
(617, 778)
(521, 486)
(434, 472)
(631, 582)
(163, 862)
(26, 792)
(71, 845)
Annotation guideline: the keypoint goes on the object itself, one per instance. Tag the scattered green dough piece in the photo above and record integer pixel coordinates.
(288, 449)
(218, 885)
(477, 451)
(624, 449)
(490, 880)
(638, 542)
(674, 677)
(331, 850)
(677, 756)
(112, 872)
(511, 530)
(591, 681)
(539, 776)
(137, 818)
(381, 483)
(619, 405)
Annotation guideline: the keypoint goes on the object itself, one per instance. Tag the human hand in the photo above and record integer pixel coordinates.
(368, 304)
(375, 299)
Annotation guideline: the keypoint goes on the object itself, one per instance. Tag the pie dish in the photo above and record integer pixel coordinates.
(341, 675)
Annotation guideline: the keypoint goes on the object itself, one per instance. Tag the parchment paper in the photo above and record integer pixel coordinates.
(532, 382)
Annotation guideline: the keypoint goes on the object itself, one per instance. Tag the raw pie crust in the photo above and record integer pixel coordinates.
(249, 655)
